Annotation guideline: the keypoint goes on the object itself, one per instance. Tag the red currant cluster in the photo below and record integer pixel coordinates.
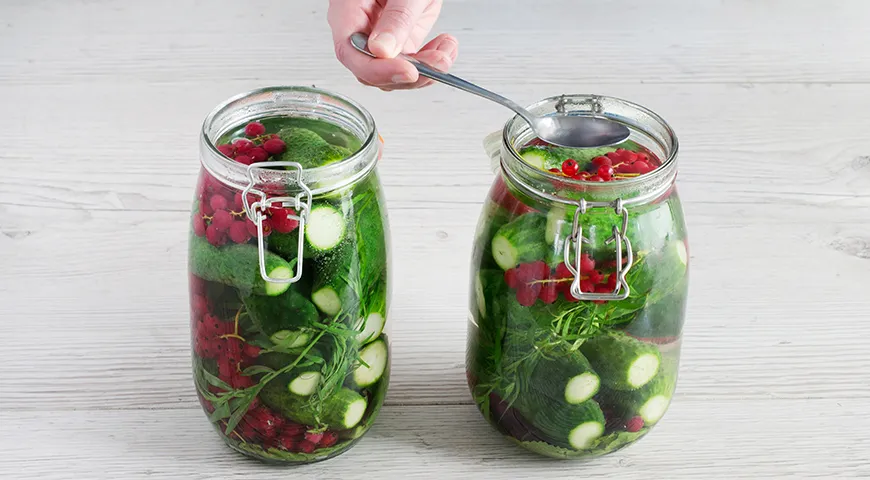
(535, 280)
(258, 149)
(270, 429)
(221, 216)
(612, 166)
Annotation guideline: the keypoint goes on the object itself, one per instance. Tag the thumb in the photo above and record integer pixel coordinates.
(394, 26)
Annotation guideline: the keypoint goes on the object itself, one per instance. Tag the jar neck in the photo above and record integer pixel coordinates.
(301, 102)
(647, 129)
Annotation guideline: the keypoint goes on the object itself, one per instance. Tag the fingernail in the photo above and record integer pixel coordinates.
(401, 78)
(386, 42)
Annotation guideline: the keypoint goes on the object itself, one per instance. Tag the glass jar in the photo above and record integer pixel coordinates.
(578, 285)
(288, 265)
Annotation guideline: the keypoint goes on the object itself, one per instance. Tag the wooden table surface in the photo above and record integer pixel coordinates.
(102, 105)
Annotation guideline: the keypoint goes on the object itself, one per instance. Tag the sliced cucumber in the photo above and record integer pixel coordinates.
(326, 228)
(622, 362)
(290, 338)
(375, 356)
(583, 435)
(305, 383)
(536, 157)
(520, 241)
(372, 326)
(568, 378)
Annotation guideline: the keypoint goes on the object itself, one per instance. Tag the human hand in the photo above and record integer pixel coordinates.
(393, 26)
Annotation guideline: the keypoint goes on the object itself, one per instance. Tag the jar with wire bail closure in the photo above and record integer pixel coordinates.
(579, 282)
(288, 264)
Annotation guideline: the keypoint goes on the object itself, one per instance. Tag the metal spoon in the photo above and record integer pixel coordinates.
(562, 130)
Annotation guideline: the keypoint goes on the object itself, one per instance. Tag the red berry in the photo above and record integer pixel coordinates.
(549, 293)
(197, 285)
(641, 167)
(531, 271)
(587, 264)
(595, 276)
(602, 161)
(634, 424)
(586, 286)
(570, 167)
(243, 145)
(198, 225)
(281, 221)
(287, 443)
(257, 154)
(225, 370)
(251, 226)
(329, 439)
(214, 236)
(526, 295)
(562, 271)
(274, 146)
(307, 447)
(244, 159)
(221, 220)
(205, 208)
(254, 129)
(294, 430)
(217, 202)
(247, 432)
(510, 278)
(595, 178)
(555, 170)
(239, 232)
(226, 149)
(267, 227)
(238, 205)
(605, 172)
(611, 282)
(314, 437)
(617, 155)
(251, 351)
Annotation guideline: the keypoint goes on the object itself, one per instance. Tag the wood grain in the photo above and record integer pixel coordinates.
(98, 149)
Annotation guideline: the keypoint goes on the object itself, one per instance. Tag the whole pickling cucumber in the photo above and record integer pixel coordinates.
(520, 241)
(622, 362)
(574, 426)
(238, 266)
(340, 411)
(648, 402)
(288, 311)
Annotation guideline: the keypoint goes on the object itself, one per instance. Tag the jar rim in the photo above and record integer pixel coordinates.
(639, 189)
(323, 179)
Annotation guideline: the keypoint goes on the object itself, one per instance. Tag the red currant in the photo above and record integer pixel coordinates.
(267, 227)
(257, 154)
(281, 221)
(549, 293)
(226, 149)
(199, 304)
(314, 437)
(641, 167)
(570, 167)
(329, 439)
(601, 161)
(595, 178)
(555, 170)
(526, 294)
(244, 159)
(587, 264)
(221, 220)
(634, 424)
(605, 172)
(205, 208)
(254, 129)
(275, 146)
(239, 232)
(586, 286)
(198, 225)
(217, 202)
(214, 236)
(595, 276)
(510, 278)
(243, 145)
(307, 447)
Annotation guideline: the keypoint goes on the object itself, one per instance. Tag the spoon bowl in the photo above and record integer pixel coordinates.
(578, 131)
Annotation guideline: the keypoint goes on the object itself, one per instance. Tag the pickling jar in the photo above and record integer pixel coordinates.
(288, 264)
(578, 284)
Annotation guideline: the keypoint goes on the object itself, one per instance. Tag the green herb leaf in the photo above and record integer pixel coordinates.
(256, 369)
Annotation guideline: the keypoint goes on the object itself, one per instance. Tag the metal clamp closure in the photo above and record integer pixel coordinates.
(576, 240)
(301, 203)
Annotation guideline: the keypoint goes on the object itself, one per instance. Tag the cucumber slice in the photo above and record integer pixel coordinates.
(584, 434)
(326, 228)
(290, 338)
(372, 326)
(581, 387)
(375, 356)
(536, 157)
(327, 300)
(567, 379)
(305, 383)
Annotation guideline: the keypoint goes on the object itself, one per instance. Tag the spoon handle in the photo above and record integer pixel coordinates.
(360, 42)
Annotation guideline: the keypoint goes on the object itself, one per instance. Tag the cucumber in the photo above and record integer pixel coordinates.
(488, 287)
(622, 362)
(325, 228)
(342, 410)
(567, 379)
(651, 401)
(581, 155)
(331, 291)
(375, 355)
(290, 339)
(238, 266)
(288, 311)
(574, 426)
(309, 149)
(371, 322)
(520, 241)
(284, 244)
(305, 383)
(538, 157)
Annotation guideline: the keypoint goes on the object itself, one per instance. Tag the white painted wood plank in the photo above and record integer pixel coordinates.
(709, 439)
